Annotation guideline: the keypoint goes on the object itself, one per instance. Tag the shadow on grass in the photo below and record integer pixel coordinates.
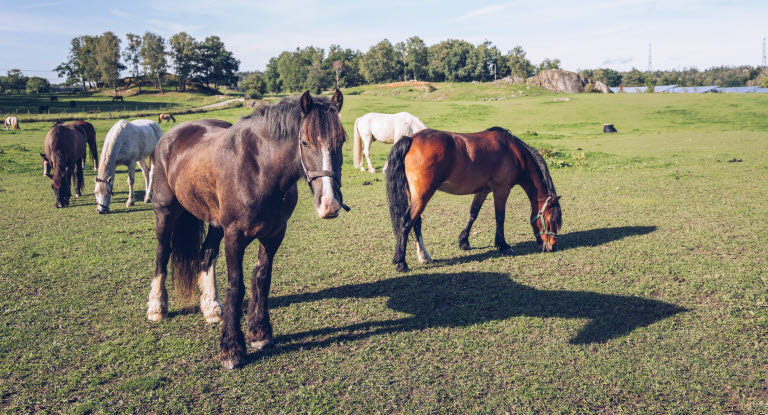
(465, 299)
(593, 237)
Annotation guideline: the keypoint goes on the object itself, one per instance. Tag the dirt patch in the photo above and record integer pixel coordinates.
(406, 83)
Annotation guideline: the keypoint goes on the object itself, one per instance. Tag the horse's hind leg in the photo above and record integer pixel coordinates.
(367, 153)
(210, 303)
(499, 203)
(146, 172)
(421, 250)
(157, 306)
(259, 326)
(414, 211)
(79, 180)
(477, 203)
(131, 174)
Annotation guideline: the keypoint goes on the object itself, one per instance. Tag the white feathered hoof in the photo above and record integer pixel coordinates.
(147, 200)
(129, 203)
(156, 311)
(214, 316)
(371, 170)
(262, 344)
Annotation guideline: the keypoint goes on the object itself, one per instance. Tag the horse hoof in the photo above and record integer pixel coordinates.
(372, 171)
(129, 203)
(402, 267)
(262, 344)
(155, 316)
(229, 364)
(147, 200)
(464, 246)
(507, 251)
(212, 319)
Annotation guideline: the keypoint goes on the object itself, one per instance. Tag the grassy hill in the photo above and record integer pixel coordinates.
(656, 302)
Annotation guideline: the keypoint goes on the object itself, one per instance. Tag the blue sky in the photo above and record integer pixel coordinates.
(35, 34)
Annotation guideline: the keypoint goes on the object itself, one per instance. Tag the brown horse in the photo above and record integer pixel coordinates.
(166, 117)
(241, 180)
(493, 160)
(90, 135)
(64, 156)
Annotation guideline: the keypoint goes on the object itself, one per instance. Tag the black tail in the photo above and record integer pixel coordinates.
(397, 184)
(186, 243)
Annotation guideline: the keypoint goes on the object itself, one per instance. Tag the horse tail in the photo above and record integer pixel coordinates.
(357, 148)
(91, 138)
(186, 244)
(397, 183)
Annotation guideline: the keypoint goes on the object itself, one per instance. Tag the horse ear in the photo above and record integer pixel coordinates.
(43, 156)
(338, 99)
(109, 179)
(557, 199)
(306, 103)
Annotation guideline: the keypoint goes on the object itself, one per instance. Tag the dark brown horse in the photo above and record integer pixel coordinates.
(489, 161)
(90, 135)
(63, 159)
(241, 180)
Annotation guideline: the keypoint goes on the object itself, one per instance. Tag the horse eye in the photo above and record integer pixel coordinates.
(304, 144)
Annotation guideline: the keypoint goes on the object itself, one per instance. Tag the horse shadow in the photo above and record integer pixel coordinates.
(590, 238)
(467, 298)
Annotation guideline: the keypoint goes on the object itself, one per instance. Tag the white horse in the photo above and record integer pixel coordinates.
(11, 123)
(387, 128)
(127, 143)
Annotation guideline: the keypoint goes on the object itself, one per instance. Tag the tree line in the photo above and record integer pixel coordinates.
(451, 60)
(722, 76)
(96, 61)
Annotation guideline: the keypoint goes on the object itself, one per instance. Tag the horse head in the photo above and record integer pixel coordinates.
(547, 223)
(320, 142)
(103, 193)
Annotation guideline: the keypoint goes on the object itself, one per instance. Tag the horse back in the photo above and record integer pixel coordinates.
(65, 143)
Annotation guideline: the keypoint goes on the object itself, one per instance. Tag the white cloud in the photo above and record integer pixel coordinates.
(119, 13)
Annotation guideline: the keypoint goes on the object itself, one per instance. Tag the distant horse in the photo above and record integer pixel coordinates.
(493, 160)
(387, 128)
(166, 117)
(127, 143)
(43, 108)
(72, 104)
(64, 153)
(54, 99)
(91, 136)
(11, 123)
(241, 180)
(117, 98)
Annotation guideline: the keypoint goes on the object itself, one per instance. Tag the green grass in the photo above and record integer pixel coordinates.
(656, 302)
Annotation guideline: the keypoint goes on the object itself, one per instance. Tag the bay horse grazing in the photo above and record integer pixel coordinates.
(64, 153)
(493, 160)
(11, 123)
(241, 180)
(127, 143)
(166, 117)
(387, 128)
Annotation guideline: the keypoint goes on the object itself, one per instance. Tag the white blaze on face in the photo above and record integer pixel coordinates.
(45, 167)
(101, 194)
(326, 198)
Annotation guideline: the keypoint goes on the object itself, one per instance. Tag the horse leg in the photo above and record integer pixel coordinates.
(259, 326)
(131, 173)
(367, 140)
(499, 202)
(232, 342)
(79, 180)
(477, 203)
(421, 250)
(210, 303)
(147, 185)
(157, 306)
(418, 203)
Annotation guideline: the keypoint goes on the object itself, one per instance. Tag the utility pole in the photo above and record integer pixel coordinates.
(650, 67)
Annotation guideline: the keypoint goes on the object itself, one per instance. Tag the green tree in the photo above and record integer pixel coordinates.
(132, 57)
(650, 84)
(15, 81)
(153, 57)
(634, 78)
(484, 61)
(417, 57)
(518, 64)
(380, 63)
(272, 76)
(317, 77)
(184, 54)
(255, 85)
(349, 60)
(608, 76)
(215, 64)
(764, 82)
(108, 59)
(549, 64)
(36, 85)
(402, 53)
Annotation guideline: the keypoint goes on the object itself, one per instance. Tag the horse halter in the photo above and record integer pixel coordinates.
(100, 180)
(314, 174)
(544, 231)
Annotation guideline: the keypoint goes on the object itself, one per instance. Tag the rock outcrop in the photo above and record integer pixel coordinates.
(560, 80)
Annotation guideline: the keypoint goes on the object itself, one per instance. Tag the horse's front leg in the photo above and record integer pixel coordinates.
(259, 326)
(146, 172)
(79, 179)
(232, 342)
(499, 202)
(131, 174)
(157, 306)
(474, 210)
(210, 303)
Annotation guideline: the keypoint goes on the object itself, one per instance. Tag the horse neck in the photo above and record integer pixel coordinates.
(107, 164)
(532, 180)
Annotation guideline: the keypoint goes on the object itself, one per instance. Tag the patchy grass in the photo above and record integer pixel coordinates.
(656, 302)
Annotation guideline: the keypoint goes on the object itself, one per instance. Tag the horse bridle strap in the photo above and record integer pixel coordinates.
(314, 174)
(544, 230)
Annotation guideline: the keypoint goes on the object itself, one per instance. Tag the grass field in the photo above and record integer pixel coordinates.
(655, 303)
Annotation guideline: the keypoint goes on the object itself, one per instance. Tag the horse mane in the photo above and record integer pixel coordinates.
(539, 162)
(107, 160)
(282, 121)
